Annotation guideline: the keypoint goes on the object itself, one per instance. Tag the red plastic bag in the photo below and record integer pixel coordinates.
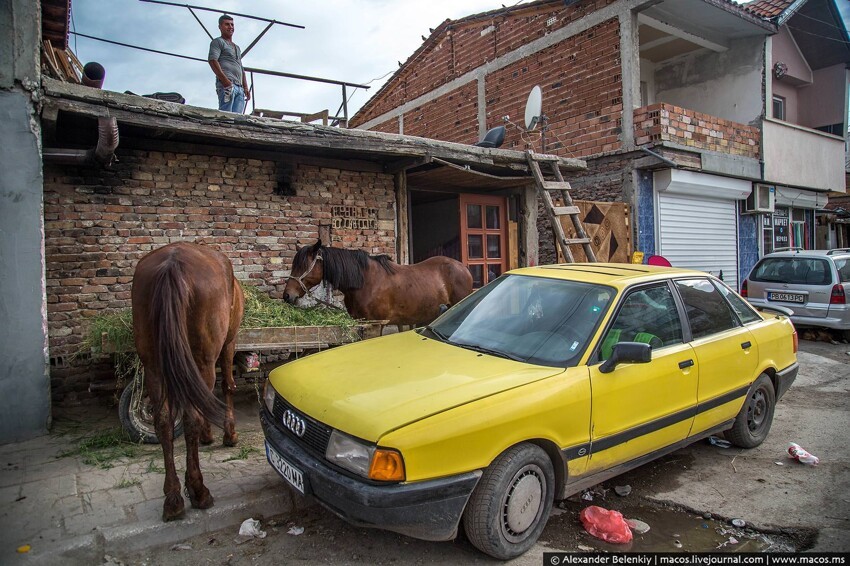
(609, 526)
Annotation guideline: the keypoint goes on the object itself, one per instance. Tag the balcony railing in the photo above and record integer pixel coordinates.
(662, 122)
(802, 157)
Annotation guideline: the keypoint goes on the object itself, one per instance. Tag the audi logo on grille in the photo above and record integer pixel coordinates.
(294, 423)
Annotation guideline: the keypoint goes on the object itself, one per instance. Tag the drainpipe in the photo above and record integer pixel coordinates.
(107, 131)
(660, 157)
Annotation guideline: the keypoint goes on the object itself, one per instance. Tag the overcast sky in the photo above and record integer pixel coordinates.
(357, 41)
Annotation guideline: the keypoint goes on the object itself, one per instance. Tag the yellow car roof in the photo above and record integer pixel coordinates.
(618, 275)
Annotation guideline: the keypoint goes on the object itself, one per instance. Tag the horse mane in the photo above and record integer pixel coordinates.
(341, 268)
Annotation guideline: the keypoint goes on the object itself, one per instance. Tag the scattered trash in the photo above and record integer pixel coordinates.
(182, 546)
(779, 463)
(587, 496)
(24, 549)
(638, 526)
(586, 548)
(705, 525)
(677, 543)
(732, 540)
(740, 523)
(605, 524)
(251, 528)
(706, 516)
(557, 511)
(622, 490)
(798, 453)
(295, 531)
(719, 442)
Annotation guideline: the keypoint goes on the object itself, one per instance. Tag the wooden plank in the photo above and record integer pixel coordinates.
(556, 186)
(53, 64)
(565, 210)
(608, 226)
(229, 129)
(513, 245)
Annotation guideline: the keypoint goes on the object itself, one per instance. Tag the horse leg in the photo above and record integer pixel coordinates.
(198, 493)
(228, 387)
(173, 507)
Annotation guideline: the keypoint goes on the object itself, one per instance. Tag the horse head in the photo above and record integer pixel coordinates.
(307, 272)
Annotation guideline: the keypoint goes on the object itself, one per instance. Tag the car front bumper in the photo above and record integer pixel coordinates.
(427, 510)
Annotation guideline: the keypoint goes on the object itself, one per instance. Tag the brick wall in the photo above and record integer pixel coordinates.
(582, 94)
(453, 117)
(666, 122)
(467, 44)
(98, 223)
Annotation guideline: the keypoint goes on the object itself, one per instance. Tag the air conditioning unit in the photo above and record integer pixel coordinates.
(761, 200)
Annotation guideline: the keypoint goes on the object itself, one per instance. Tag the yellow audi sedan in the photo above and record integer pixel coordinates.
(547, 381)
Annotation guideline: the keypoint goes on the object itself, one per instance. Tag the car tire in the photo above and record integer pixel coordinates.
(511, 503)
(136, 414)
(754, 419)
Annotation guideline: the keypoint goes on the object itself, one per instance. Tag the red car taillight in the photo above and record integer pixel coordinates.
(837, 297)
(744, 289)
(796, 341)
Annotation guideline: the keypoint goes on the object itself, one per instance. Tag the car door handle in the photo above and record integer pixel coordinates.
(686, 364)
(745, 345)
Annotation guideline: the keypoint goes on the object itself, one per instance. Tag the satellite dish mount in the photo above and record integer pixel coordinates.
(534, 115)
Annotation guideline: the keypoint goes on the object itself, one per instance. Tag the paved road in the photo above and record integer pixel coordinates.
(787, 506)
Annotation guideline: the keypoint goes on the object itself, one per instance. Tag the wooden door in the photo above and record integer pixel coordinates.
(483, 236)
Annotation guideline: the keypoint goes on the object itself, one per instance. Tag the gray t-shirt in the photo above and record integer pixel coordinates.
(229, 56)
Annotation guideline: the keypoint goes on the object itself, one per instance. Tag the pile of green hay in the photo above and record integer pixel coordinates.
(261, 311)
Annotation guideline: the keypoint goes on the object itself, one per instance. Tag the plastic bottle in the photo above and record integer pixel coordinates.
(798, 453)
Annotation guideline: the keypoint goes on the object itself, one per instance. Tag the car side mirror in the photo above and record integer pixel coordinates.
(627, 353)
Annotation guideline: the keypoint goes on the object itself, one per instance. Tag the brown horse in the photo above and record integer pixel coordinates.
(376, 288)
(187, 308)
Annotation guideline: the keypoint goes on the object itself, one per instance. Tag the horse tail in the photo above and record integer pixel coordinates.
(183, 384)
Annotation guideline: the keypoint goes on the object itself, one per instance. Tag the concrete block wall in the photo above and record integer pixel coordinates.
(99, 223)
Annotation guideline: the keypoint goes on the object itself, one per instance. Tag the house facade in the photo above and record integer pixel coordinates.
(722, 125)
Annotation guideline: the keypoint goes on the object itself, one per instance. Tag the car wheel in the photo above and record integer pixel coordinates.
(753, 421)
(136, 415)
(511, 503)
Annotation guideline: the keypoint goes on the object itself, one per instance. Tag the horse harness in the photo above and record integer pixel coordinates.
(300, 280)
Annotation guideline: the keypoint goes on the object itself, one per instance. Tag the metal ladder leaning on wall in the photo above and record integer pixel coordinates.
(562, 190)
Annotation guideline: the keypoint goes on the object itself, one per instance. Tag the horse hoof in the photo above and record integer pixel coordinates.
(206, 440)
(231, 439)
(173, 509)
(204, 502)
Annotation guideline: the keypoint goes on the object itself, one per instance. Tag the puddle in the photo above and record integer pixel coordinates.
(671, 530)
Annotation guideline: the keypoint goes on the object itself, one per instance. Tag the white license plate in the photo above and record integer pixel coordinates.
(787, 297)
(289, 472)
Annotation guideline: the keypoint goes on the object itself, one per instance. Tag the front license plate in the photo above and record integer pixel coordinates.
(787, 297)
(289, 472)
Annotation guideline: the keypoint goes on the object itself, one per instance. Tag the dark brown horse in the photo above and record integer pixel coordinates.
(376, 288)
(187, 308)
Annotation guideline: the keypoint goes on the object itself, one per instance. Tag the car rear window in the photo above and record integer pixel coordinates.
(843, 267)
(795, 270)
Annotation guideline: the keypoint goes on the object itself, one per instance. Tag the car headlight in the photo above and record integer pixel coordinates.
(366, 460)
(268, 396)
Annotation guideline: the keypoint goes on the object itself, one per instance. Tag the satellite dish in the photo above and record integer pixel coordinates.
(533, 108)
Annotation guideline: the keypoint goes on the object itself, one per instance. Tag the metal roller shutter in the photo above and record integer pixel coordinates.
(700, 233)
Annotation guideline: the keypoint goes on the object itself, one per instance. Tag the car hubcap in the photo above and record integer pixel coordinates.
(758, 410)
(523, 502)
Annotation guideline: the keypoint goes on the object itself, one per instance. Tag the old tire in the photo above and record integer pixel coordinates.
(511, 503)
(754, 419)
(136, 414)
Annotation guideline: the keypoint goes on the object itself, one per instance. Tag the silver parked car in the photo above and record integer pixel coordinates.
(814, 284)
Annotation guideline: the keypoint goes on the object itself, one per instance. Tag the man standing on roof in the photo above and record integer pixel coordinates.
(225, 58)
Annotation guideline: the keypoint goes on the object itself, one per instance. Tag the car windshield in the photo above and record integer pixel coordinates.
(795, 270)
(531, 319)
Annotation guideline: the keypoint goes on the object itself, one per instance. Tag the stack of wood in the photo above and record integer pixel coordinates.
(61, 64)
